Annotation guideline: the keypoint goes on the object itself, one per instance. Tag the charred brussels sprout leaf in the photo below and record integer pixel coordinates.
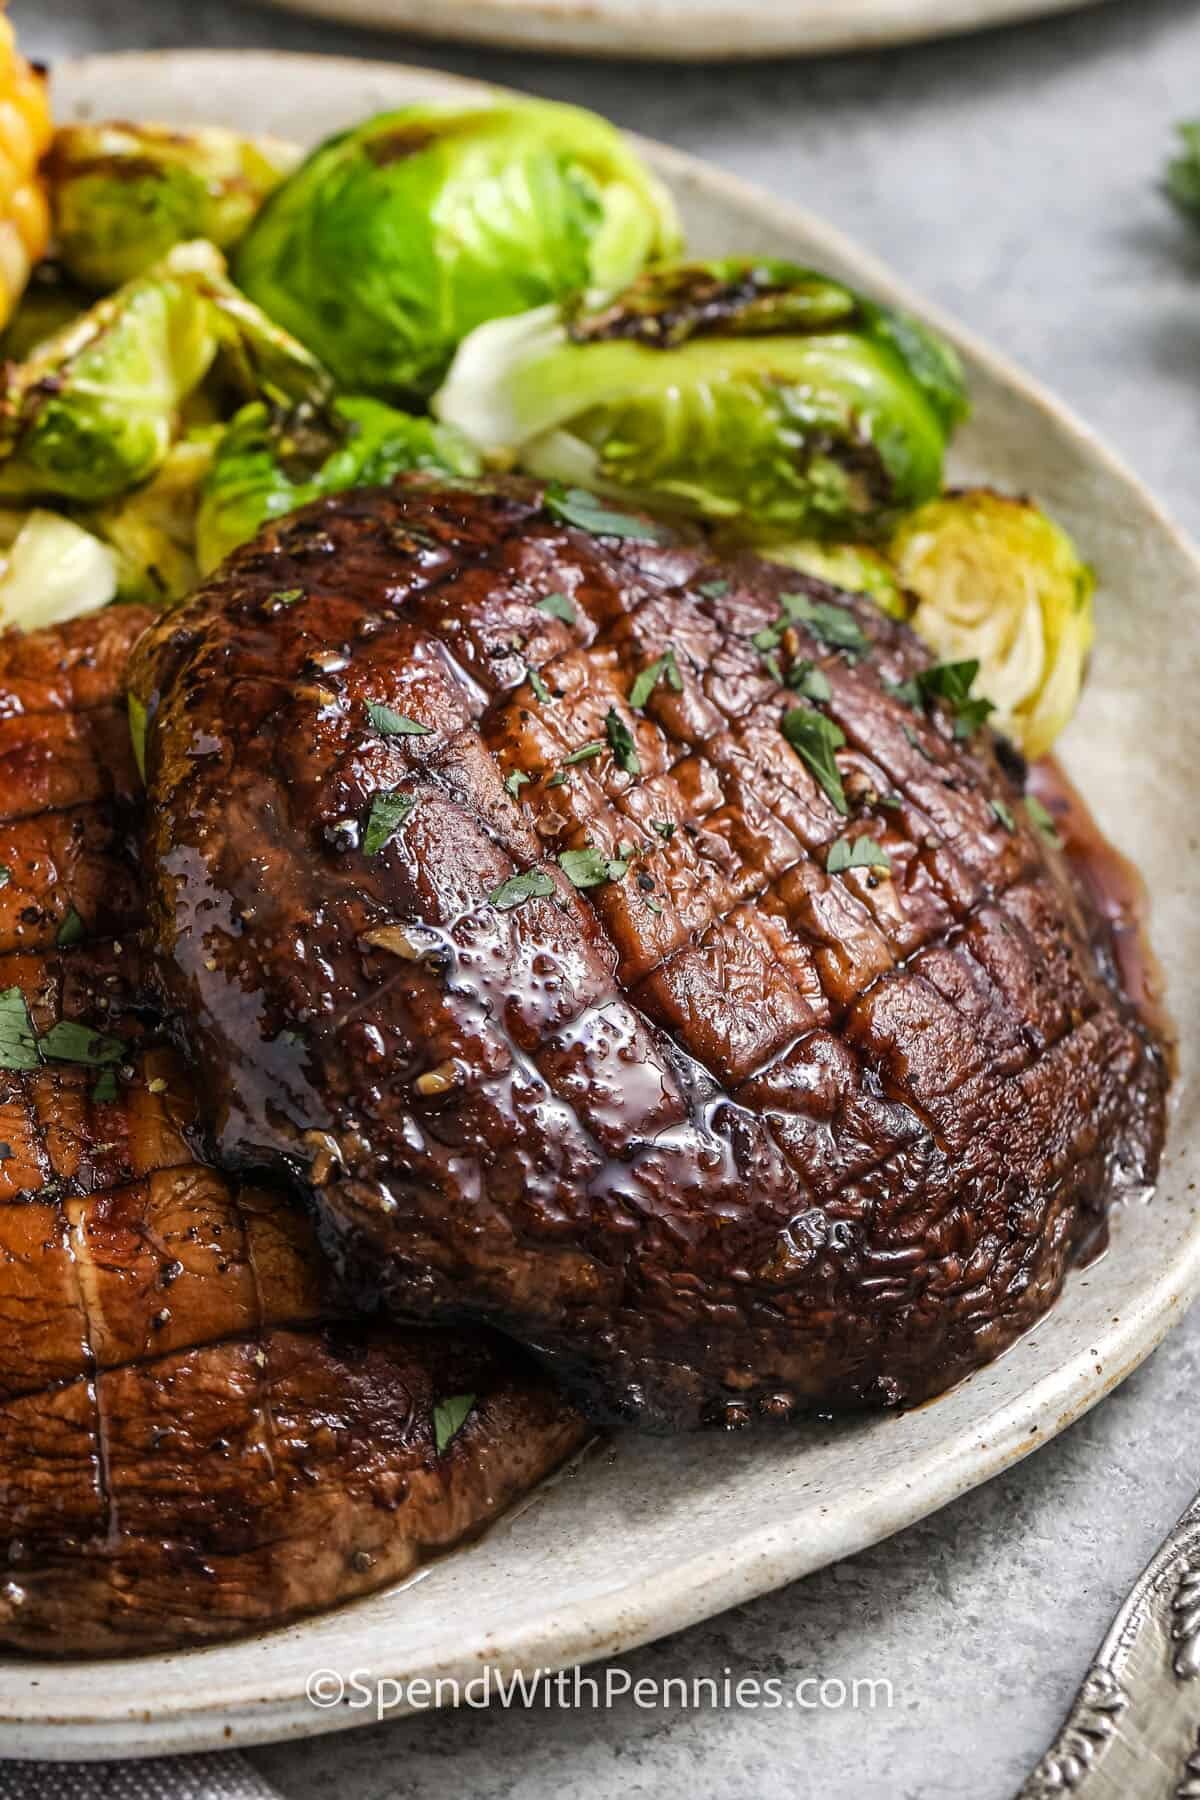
(122, 195)
(1000, 585)
(396, 239)
(760, 397)
(268, 464)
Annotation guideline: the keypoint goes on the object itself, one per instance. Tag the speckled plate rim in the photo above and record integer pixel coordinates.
(639, 1544)
(682, 30)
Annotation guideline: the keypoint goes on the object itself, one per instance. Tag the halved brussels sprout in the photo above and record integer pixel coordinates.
(93, 411)
(267, 465)
(855, 568)
(52, 570)
(756, 395)
(997, 581)
(394, 240)
(153, 530)
(122, 195)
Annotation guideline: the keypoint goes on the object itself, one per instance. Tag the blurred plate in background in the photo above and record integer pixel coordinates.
(684, 30)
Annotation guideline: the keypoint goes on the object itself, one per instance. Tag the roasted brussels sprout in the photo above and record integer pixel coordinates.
(756, 395)
(122, 195)
(856, 568)
(267, 465)
(394, 240)
(51, 570)
(95, 408)
(996, 581)
(153, 530)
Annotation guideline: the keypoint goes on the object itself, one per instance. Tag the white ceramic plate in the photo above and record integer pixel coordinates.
(684, 30)
(653, 1535)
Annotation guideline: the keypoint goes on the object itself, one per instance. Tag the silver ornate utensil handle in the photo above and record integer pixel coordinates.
(1134, 1730)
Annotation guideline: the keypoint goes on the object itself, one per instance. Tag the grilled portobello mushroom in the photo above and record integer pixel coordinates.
(195, 1437)
(631, 951)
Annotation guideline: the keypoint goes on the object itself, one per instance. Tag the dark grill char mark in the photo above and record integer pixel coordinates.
(777, 1138)
(194, 1440)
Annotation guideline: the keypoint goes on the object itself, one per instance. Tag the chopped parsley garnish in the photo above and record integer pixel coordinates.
(394, 724)
(814, 738)
(105, 1089)
(1004, 813)
(666, 828)
(1043, 820)
(285, 597)
(5, 875)
(772, 665)
(575, 506)
(714, 590)
(665, 668)
(585, 753)
(388, 813)
(558, 607)
(137, 733)
(917, 745)
(857, 853)
(557, 780)
(621, 742)
(18, 1044)
(516, 781)
(950, 683)
(70, 931)
(534, 884)
(449, 1417)
(591, 868)
(810, 681)
(70, 1042)
(828, 623)
(541, 692)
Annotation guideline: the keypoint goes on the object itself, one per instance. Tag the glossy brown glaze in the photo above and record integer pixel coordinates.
(725, 1134)
(193, 1441)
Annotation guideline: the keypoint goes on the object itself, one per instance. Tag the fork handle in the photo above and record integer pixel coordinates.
(1133, 1732)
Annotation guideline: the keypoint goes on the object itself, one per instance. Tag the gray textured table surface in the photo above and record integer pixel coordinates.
(1012, 176)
